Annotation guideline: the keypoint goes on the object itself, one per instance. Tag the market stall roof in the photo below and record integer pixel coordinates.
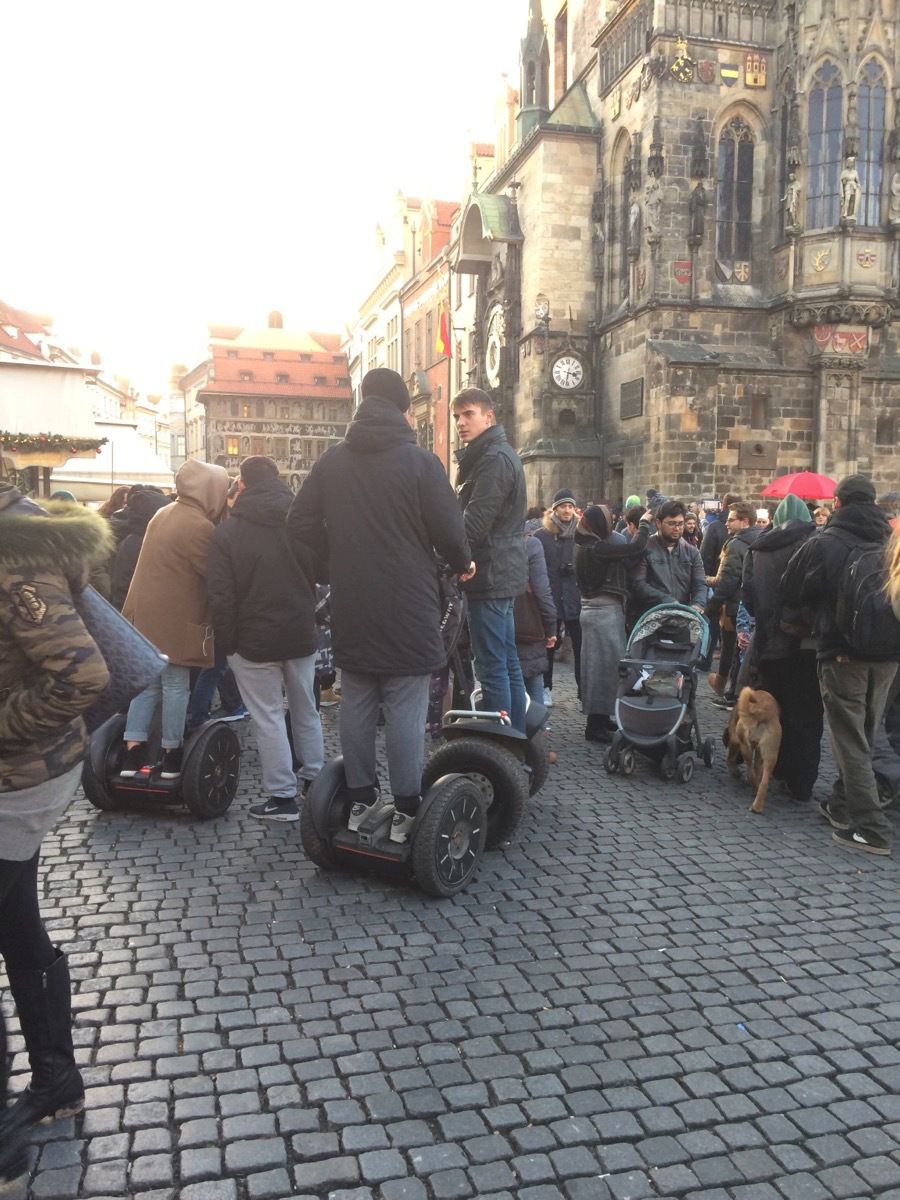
(125, 458)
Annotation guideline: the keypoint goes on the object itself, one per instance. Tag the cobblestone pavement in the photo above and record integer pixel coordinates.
(651, 993)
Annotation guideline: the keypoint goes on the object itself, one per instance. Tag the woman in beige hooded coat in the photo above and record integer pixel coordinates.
(167, 603)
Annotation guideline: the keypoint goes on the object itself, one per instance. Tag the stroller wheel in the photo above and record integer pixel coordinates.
(611, 762)
(685, 768)
(668, 765)
(626, 762)
(709, 752)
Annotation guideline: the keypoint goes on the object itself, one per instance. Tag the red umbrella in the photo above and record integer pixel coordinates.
(807, 485)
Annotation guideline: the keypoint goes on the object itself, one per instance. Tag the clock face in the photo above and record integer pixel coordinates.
(493, 345)
(568, 372)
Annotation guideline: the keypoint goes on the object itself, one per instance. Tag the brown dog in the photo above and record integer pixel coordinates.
(753, 736)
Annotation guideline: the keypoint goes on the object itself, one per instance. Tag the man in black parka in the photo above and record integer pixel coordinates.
(262, 604)
(374, 510)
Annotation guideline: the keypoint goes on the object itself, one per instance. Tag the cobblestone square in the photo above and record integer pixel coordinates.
(650, 993)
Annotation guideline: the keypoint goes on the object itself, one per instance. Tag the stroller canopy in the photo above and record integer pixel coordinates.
(676, 621)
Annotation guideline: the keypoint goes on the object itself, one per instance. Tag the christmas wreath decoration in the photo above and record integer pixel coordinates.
(32, 442)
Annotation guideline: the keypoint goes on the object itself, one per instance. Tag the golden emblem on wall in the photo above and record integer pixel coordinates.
(682, 68)
(755, 71)
(742, 272)
(821, 259)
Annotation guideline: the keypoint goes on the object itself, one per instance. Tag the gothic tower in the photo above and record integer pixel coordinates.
(534, 58)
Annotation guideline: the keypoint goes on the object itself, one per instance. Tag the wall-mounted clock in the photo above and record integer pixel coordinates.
(567, 371)
(494, 337)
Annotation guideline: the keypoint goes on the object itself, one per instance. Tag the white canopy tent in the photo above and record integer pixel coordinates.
(124, 459)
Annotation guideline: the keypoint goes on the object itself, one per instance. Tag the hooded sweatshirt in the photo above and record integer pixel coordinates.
(374, 510)
(167, 597)
(763, 568)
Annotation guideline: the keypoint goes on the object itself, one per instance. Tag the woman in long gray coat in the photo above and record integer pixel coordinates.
(603, 560)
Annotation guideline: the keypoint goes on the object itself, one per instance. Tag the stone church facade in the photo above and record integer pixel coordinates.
(688, 266)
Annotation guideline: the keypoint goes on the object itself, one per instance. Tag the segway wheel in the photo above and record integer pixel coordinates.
(210, 776)
(102, 762)
(315, 849)
(537, 762)
(626, 762)
(685, 768)
(95, 789)
(449, 841)
(708, 750)
(668, 765)
(611, 762)
(496, 772)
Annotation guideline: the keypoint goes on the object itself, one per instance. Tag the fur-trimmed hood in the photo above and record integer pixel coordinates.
(68, 538)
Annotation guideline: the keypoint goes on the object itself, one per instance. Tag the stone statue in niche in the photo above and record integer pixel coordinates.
(598, 246)
(697, 213)
(851, 189)
(894, 208)
(791, 200)
(634, 227)
(653, 207)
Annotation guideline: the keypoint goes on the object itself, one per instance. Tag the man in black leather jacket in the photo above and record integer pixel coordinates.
(672, 571)
(491, 491)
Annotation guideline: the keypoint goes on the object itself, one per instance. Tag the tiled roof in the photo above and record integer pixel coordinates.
(15, 325)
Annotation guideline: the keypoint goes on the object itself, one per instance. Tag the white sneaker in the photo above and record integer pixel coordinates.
(400, 827)
(359, 811)
(548, 698)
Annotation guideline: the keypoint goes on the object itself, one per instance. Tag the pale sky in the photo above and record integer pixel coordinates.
(173, 164)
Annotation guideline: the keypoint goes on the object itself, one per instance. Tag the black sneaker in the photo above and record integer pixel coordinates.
(171, 764)
(724, 702)
(276, 809)
(134, 761)
(866, 842)
(833, 821)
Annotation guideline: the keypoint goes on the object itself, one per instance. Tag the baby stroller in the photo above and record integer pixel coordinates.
(655, 705)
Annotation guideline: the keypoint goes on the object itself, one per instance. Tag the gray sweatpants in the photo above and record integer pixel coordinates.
(261, 685)
(404, 700)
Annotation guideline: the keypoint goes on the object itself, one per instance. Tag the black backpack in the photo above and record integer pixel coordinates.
(863, 616)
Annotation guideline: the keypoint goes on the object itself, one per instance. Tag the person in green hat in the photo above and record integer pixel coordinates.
(785, 664)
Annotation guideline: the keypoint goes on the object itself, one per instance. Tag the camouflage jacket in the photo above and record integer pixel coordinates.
(50, 667)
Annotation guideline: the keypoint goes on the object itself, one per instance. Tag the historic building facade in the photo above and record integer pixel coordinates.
(271, 391)
(688, 264)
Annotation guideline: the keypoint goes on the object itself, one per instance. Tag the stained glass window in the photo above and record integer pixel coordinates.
(826, 102)
(734, 199)
(870, 164)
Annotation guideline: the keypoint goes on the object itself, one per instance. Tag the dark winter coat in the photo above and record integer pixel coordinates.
(261, 594)
(812, 578)
(51, 670)
(714, 539)
(667, 576)
(727, 587)
(533, 654)
(374, 509)
(490, 485)
(606, 566)
(559, 551)
(761, 587)
(141, 508)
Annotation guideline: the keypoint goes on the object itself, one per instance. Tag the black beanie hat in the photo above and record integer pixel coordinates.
(258, 469)
(855, 489)
(388, 385)
(563, 496)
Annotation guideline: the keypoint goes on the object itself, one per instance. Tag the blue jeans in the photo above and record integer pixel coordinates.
(534, 686)
(172, 687)
(492, 629)
(204, 689)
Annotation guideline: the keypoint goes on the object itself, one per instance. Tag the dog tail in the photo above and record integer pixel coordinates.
(757, 701)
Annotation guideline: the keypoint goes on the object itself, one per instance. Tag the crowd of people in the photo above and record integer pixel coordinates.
(260, 594)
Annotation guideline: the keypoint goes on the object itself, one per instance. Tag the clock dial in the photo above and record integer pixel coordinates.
(568, 372)
(494, 334)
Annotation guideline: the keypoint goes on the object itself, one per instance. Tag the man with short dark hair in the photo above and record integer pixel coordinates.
(716, 534)
(722, 605)
(491, 491)
(262, 602)
(672, 571)
(854, 689)
(374, 509)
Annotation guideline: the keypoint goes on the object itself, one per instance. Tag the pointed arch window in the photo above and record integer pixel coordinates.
(734, 200)
(870, 162)
(825, 128)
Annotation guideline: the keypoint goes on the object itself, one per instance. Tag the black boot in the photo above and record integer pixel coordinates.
(597, 728)
(44, 1005)
(13, 1134)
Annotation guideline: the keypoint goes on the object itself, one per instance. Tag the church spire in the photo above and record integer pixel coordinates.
(534, 58)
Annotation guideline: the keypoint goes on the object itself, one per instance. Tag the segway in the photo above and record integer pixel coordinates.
(442, 853)
(210, 770)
